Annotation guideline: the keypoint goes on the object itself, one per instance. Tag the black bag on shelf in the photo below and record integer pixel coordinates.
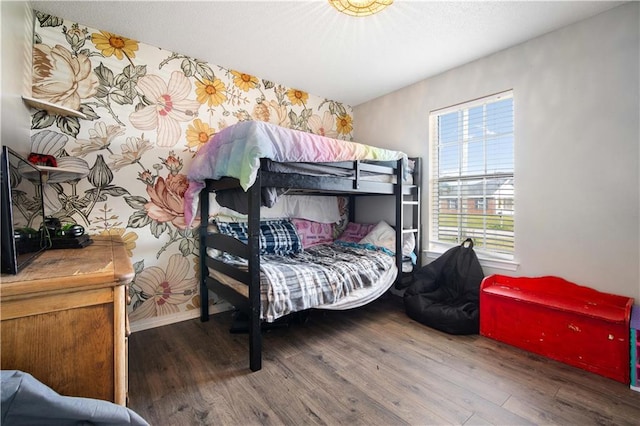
(445, 294)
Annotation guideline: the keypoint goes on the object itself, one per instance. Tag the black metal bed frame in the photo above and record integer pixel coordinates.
(326, 185)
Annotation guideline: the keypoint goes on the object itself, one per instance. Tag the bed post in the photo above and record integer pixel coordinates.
(204, 271)
(399, 216)
(255, 334)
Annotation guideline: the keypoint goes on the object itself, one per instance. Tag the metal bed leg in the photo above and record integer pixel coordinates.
(204, 271)
(255, 333)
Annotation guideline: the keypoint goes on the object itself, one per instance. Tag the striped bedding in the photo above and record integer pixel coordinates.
(320, 275)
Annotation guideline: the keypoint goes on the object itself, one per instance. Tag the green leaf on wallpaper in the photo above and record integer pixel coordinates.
(114, 191)
(68, 125)
(185, 247)
(336, 108)
(204, 70)
(138, 267)
(157, 228)
(102, 91)
(128, 79)
(136, 202)
(293, 117)
(47, 20)
(105, 75)
(131, 72)
(96, 194)
(42, 120)
(138, 219)
(120, 97)
(268, 84)
(129, 88)
(306, 113)
(88, 112)
(188, 67)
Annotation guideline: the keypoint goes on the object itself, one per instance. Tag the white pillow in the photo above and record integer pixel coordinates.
(383, 235)
(323, 209)
(317, 208)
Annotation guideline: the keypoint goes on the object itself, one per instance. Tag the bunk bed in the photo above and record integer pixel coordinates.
(253, 160)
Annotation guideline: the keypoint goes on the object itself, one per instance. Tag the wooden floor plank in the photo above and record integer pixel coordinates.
(372, 365)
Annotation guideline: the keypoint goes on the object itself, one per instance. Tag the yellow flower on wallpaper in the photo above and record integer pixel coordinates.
(323, 126)
(129, 239)
(344, 125)
(60, 77)
(169, 107)
(112, 44)
(297, 97)
(213, 92)
(244, 81)
(164, 290)
(198, 133)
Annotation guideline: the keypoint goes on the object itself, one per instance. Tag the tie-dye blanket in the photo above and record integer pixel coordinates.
(236, 152)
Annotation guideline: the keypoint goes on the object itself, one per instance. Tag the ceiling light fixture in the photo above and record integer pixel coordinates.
(360, 7)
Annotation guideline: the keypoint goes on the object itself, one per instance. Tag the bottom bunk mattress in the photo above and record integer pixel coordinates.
(327, 276)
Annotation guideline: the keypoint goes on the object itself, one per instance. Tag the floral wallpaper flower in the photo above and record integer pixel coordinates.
(148, 111)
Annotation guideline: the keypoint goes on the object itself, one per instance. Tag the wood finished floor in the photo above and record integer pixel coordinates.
(370, 366)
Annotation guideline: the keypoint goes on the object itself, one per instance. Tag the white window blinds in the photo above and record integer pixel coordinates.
(472, 174)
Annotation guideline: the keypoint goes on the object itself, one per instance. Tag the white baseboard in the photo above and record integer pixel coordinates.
(154, 322)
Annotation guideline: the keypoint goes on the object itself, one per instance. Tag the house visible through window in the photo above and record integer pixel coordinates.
(472, 175)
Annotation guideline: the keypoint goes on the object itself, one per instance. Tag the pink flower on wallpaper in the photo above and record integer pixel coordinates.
(169, 106)
(60, 77)
(323, 126)
(167, 200)
(164, 290)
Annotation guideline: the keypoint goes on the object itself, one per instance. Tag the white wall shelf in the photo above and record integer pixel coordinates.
(53, 174)
(54, 108)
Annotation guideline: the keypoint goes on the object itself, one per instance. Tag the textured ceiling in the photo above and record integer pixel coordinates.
(310, 46)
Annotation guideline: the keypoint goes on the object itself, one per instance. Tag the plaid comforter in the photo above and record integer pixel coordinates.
(322, 274)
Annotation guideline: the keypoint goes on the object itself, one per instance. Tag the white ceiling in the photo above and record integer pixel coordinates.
(310, 46)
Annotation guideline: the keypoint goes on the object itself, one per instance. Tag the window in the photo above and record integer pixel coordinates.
(472, 175)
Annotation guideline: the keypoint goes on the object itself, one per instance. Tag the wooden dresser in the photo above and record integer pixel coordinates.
(64, 320)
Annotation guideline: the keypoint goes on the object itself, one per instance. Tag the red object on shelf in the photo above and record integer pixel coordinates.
(558, 319)
(42, 160)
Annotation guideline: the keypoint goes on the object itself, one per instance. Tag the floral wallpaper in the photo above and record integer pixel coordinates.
(148, 111)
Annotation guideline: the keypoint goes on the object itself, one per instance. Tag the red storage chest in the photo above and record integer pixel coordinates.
(564, 321)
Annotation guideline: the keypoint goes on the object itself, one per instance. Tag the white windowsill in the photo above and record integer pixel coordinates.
(493, 263)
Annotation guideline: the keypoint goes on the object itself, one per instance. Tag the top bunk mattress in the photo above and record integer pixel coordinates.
(236, 152)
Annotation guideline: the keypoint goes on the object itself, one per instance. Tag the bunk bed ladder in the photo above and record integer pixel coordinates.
(412, 201)
(399, 200)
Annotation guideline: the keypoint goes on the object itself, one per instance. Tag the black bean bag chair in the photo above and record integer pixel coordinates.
(445, 294)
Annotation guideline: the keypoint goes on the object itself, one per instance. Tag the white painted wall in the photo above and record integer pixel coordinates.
(577, 108)
(15, 74)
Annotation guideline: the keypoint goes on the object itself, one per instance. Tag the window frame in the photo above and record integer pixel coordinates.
(500, 259)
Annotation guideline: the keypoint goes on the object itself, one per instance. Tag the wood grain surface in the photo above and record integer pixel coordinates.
(371, 366)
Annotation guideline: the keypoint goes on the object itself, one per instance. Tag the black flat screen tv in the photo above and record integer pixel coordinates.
(24, 236)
